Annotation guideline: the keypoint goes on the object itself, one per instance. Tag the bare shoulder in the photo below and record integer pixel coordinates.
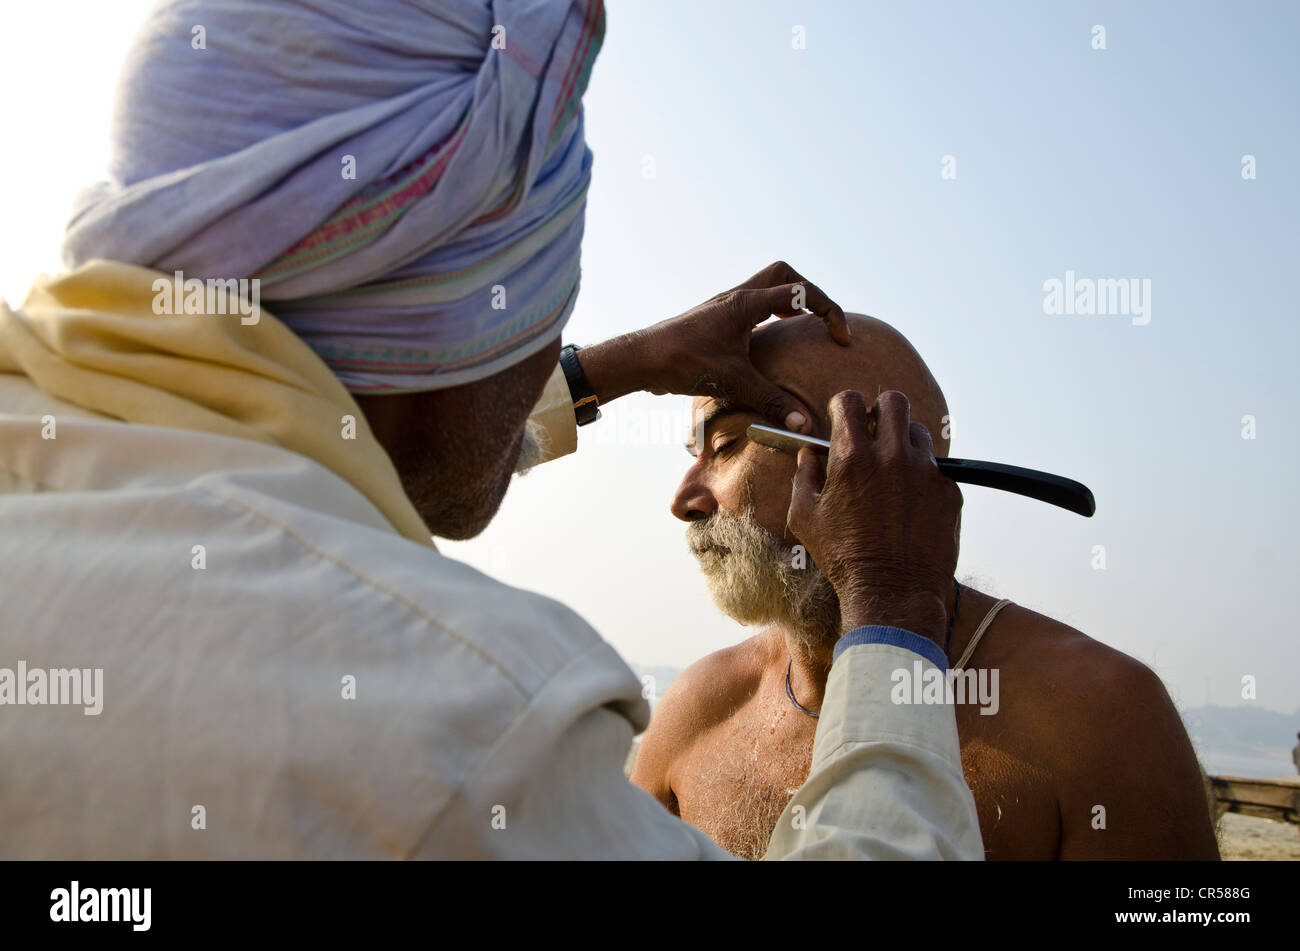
(709, 691)
(1061, 675)
(1107, 726)
(1068, 665)
(702, 696)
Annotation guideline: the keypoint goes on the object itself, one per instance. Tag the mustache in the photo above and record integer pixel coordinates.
(756, 579)
(723, 534)
(701, 541)
(713, 534)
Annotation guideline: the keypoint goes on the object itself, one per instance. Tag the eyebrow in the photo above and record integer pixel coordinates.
(720, 409)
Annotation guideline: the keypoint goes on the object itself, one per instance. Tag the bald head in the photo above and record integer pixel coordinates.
(797, 354)
(736, 494)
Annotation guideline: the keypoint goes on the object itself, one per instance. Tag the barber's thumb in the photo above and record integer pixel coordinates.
(809, 479)
(779, 407)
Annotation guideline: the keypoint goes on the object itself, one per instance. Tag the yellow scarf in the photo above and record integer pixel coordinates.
(92, 338)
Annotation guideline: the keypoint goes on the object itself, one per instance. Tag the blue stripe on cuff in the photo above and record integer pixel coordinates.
(880, 634)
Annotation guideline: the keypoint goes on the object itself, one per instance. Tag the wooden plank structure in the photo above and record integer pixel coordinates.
(1277, 799)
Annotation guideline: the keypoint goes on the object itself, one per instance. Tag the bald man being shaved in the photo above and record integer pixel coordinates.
(1078, 754)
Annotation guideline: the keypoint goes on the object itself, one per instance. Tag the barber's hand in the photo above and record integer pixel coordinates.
(878, 517)
(705, 351)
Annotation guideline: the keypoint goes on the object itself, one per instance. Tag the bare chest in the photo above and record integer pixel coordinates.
(735, 781)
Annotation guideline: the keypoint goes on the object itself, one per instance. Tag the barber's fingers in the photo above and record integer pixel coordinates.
(920, 438)
(850, 431)
(809, 479)
(778, 272)
(798, 294)
(782, 410)
(760, 303)
(893, 415)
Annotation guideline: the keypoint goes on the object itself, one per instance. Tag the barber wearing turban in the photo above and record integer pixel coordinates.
(231, 516)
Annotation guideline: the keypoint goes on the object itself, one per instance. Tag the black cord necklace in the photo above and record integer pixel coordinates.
(952, 620)
(789, 690)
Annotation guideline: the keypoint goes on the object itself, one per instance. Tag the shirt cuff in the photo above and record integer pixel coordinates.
(553, 419)
(896, 636)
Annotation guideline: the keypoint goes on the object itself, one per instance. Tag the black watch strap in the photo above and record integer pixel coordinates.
(585, 407)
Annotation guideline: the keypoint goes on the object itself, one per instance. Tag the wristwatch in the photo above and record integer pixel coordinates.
(585, 407)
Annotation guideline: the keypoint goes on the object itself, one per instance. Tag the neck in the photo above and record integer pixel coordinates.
(812, 657)
(811, 667)
(974, 605)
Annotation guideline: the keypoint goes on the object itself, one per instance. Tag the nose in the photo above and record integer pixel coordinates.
(693, 500)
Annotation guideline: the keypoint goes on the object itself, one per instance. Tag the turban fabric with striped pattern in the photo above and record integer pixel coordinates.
(406, 179)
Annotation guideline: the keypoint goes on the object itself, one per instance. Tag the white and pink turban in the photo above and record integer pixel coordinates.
(406, 179)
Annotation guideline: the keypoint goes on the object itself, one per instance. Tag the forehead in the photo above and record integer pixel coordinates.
(700, 406)
(704, 407)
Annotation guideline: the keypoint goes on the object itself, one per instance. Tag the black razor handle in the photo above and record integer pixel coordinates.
(1043, 486)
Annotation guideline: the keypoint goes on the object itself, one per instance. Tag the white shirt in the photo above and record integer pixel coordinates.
(284, 676)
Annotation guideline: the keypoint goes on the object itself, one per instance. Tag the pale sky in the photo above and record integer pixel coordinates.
(1117, 163)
